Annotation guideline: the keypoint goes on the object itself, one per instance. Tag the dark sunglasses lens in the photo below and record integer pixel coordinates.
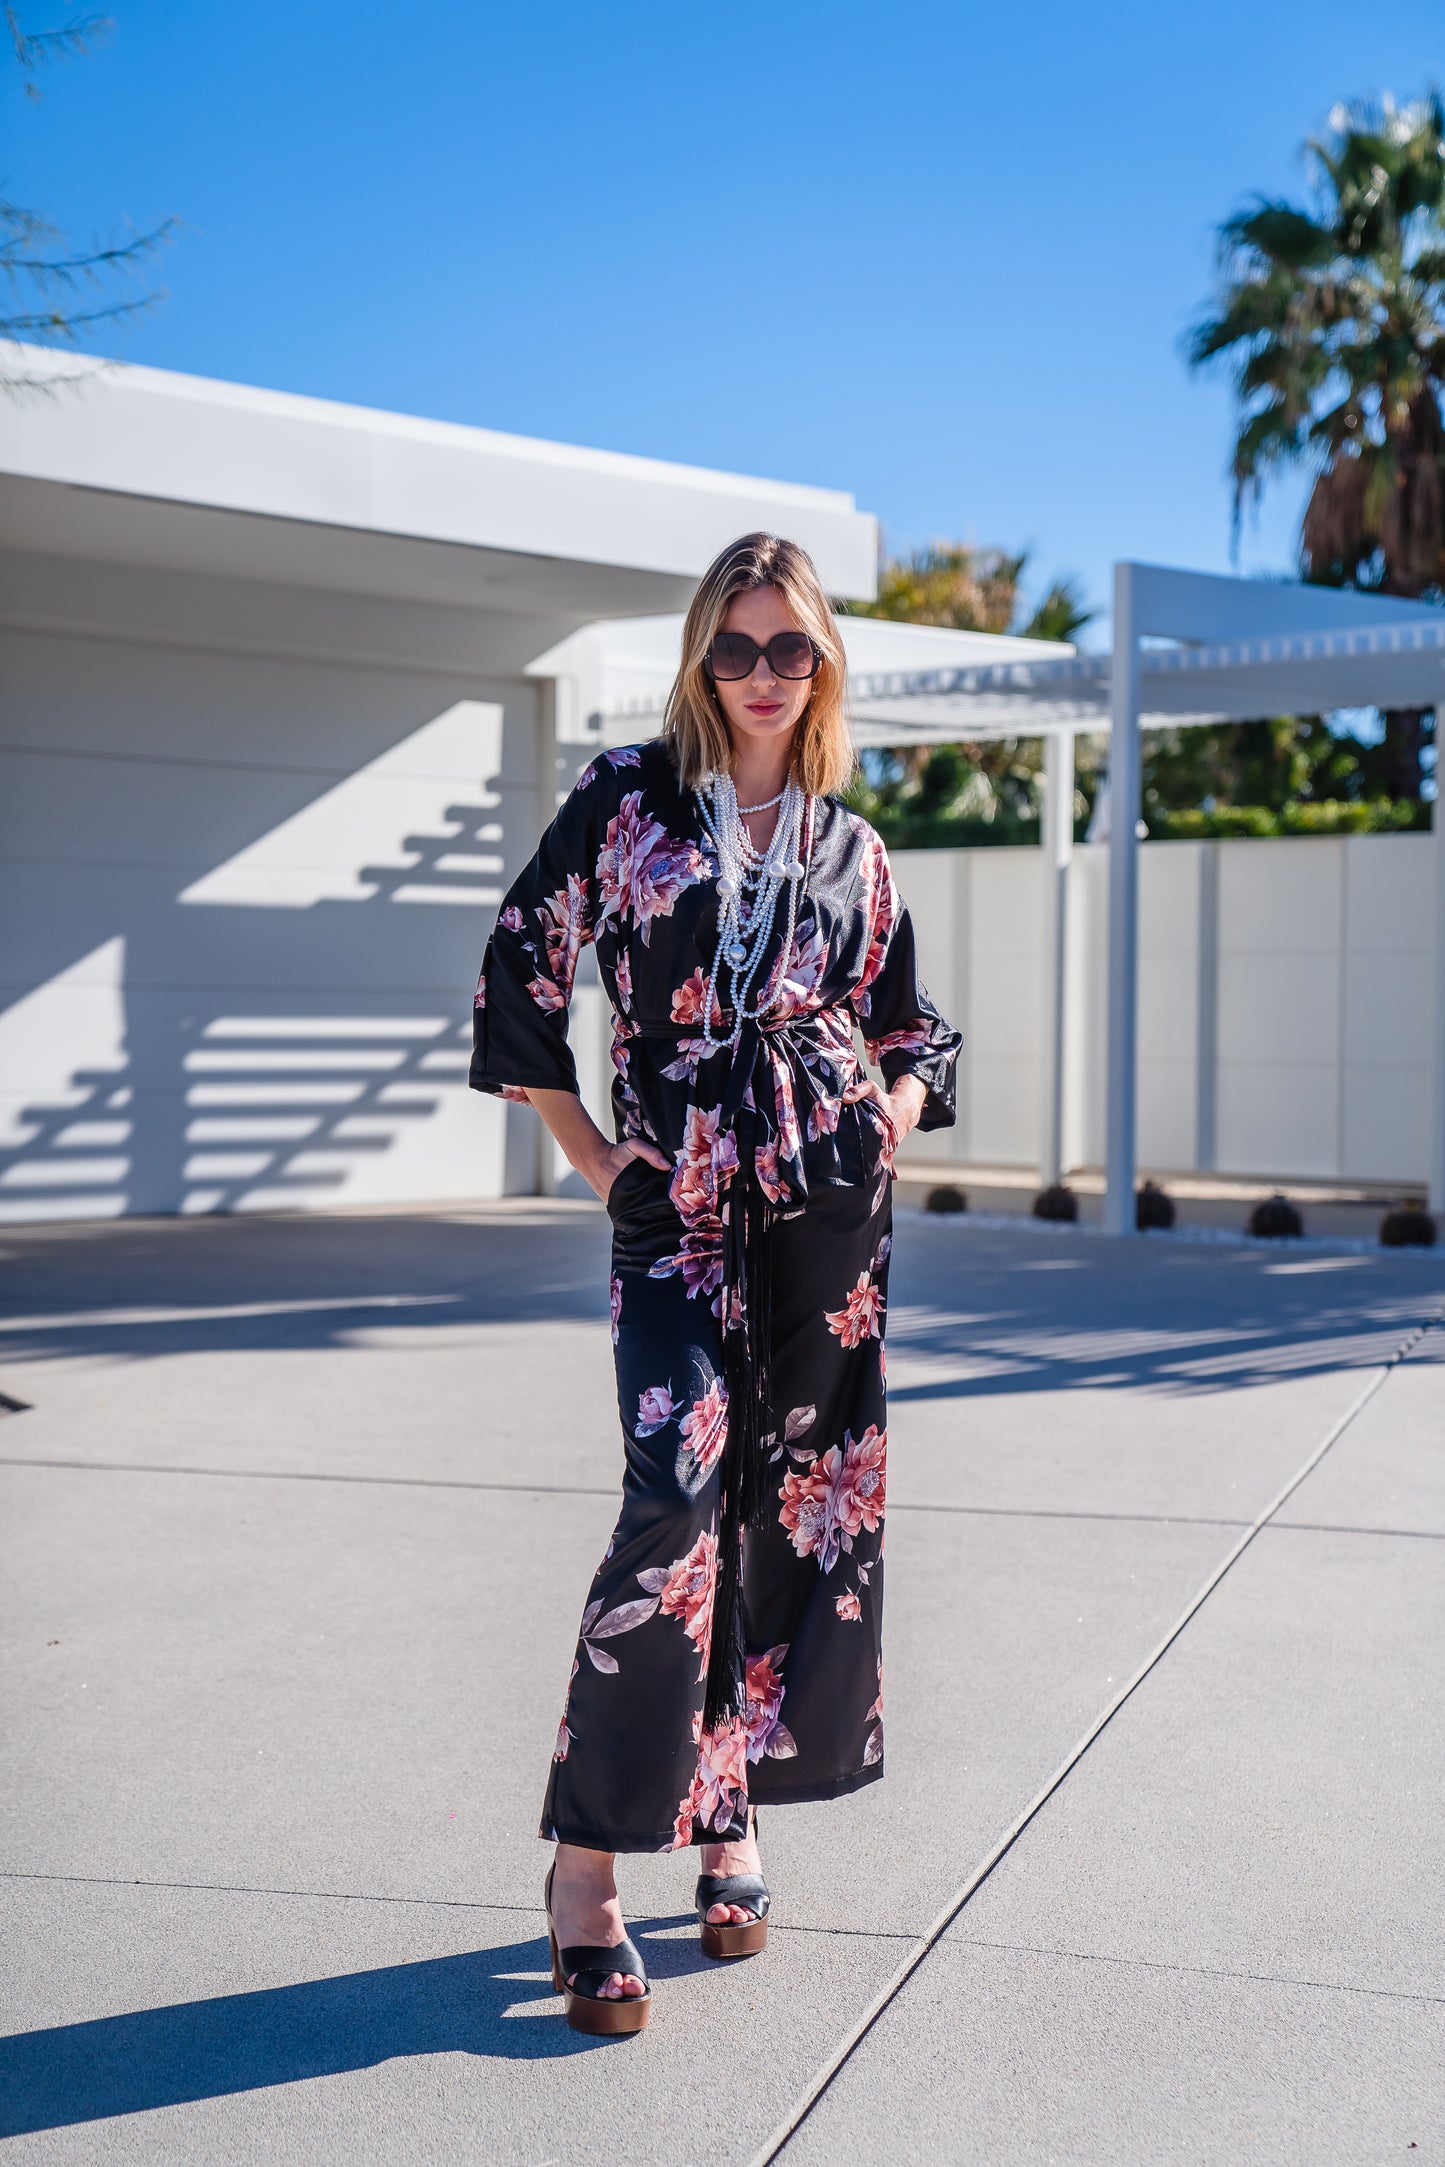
(791, 654)
(734, 655)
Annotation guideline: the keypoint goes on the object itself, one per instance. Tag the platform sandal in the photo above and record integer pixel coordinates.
(739, 1938)
(590, 1966)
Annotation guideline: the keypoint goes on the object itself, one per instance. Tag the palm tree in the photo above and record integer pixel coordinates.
(1333, 317)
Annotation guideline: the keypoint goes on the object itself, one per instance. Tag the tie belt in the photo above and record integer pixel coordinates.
(746, 1486)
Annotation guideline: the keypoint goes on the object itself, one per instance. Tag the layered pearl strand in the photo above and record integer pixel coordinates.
(750, 885)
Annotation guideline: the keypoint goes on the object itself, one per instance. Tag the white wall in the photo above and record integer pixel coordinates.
(1284, 1004)
(250, 846)
(243, 900)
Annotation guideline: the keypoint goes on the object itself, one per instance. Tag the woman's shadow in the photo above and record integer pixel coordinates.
(497, 2001)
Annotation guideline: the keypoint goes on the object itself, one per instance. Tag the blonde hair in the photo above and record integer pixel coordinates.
(822, 758)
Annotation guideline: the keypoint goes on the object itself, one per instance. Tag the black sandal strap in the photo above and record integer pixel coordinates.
(587, 1960)
(748, 1889)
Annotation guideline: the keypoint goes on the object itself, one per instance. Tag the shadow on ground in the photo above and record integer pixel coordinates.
(974, 1312)
(495, 2002)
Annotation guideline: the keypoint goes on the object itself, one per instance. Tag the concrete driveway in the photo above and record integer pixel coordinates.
(297, 1521)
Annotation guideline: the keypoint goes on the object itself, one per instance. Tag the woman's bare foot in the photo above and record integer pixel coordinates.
(585, 1908)
(732, 1858)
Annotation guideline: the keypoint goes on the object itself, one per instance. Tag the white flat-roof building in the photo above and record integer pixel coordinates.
(289, 690)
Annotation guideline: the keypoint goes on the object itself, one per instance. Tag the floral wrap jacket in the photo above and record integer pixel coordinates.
(754, 1136)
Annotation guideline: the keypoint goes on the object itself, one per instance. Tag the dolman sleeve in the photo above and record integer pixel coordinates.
(902, 1030)
(519, 1017)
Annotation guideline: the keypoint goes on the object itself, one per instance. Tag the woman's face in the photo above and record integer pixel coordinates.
(763, 709)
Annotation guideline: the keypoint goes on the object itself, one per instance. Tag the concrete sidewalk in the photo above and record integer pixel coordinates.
(296, 1528)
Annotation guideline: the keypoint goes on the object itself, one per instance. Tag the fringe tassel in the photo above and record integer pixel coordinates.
(747, 1272)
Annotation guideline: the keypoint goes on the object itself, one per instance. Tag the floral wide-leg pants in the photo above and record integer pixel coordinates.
(634, 1769)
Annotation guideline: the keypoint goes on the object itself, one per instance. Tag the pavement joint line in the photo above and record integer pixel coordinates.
(785, 2130)
(425, 1903)
(1199, 1971)
(1328, 1527)
(546, 1489)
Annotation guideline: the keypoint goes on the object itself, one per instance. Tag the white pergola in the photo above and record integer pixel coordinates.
(1189, 647)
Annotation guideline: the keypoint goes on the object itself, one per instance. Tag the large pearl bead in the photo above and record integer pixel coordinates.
(793, 870)
(737, 955)
(727, 888)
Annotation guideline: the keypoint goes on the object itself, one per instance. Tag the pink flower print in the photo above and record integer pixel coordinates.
(770, 1181)
(797, 976)
(691, 1053)
(622, 972)
(641, 870)
(565, 929)
(767, 1735)
(873, 1744)
(810, 1510)
(823, 1117)
(624, 756)
(705, 1430)
(549, 998)
(860, 1317)
(686, 1591)
(564, 1736)
(864, 1480)
(790, 1140)
(720, 1787)
(615, 1293)
(699, 1259)
(655, 1409)
(511, 918)
(880, 904)
(848, 1607)
(837, 1497)
(705, 1160)
(479, 998)
(690, 997)
(916, 1039)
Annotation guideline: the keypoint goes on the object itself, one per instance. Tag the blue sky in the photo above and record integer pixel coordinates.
(940, 256)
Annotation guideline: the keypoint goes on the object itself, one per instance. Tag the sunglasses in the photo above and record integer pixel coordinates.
(734, 655)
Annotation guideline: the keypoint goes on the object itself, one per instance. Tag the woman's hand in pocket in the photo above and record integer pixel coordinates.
(898, 1109)
(612, 1158)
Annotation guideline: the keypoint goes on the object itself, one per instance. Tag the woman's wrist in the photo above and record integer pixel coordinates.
(906, 1102)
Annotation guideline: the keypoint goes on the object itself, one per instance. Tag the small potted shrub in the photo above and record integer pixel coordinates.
(1407, 1226)
(1276, 1219)
(946, 1198)
(1058, 1201)
(1153, 1207)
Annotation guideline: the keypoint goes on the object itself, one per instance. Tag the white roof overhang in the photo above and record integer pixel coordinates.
(147, 467)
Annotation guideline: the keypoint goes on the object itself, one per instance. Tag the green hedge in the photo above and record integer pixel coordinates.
(1324, 816)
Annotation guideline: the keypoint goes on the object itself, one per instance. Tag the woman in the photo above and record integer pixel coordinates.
(744, 919)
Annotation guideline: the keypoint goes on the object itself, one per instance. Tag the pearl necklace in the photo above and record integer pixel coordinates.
(745, 921)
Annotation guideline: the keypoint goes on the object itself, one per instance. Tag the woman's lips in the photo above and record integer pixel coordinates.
(763, 707)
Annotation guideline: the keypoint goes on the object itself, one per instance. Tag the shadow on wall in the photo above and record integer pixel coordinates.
(291, 1028)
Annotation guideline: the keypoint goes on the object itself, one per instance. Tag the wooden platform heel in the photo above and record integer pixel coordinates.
(589, 1966)
(741, 1938)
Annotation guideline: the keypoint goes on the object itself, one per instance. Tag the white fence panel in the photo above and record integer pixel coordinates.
(1284, 1004)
